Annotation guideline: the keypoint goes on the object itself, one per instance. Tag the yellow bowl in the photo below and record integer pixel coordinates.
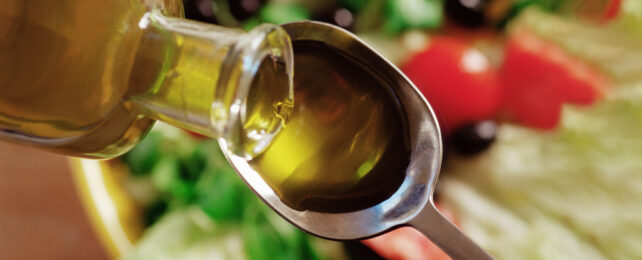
(116, 218)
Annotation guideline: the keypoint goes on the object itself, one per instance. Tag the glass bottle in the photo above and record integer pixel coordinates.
(89, 77)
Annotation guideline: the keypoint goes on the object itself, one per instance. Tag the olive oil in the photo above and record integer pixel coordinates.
(344, 145)
(86, 77)
(61, 73)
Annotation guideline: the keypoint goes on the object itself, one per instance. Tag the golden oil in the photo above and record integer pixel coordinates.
(84, 77)
(61, 73)
(344, 147)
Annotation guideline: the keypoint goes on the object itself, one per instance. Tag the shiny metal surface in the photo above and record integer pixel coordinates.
(412, 203)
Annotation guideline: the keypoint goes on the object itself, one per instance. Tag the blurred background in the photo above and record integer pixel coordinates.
(41, 216)
(522, 89)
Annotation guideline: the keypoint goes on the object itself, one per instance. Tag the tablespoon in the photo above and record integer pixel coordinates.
(412, 203)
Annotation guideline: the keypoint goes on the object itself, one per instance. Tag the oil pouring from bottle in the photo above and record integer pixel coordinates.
(88, 78)
(366, 163)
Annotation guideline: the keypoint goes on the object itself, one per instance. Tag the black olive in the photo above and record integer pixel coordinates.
(341, 17)
(244, 9)
(200, 10)
(474, 138)
(468, 13)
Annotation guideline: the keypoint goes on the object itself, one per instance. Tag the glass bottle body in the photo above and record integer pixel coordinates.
(88, 78)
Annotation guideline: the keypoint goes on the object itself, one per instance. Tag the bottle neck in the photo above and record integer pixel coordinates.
(210, 80)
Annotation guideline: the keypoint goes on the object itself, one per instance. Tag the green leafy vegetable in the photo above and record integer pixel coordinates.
(206, 211)
(221, 195)
(279, 13)
(267, 236)
(418, 14)
(141, 158)
(521, 5)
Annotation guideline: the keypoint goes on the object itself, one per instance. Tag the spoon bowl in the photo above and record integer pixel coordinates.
(412, 203)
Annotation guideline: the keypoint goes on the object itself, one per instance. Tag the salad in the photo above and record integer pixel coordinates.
(198, 208)
(540, 104)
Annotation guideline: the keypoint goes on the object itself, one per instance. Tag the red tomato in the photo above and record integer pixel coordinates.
(538, 77)
(407, 243)
(457, 80)
(612, 9)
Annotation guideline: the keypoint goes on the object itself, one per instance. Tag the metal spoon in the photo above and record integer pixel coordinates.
(412, 203)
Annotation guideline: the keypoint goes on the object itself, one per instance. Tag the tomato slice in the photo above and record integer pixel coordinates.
(539, 77)
(612, 9)
(457, 80)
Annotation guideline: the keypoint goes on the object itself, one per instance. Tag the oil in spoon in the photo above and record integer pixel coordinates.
(343, 146)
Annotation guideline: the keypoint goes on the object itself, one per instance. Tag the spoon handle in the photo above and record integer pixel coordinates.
(447, 236)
